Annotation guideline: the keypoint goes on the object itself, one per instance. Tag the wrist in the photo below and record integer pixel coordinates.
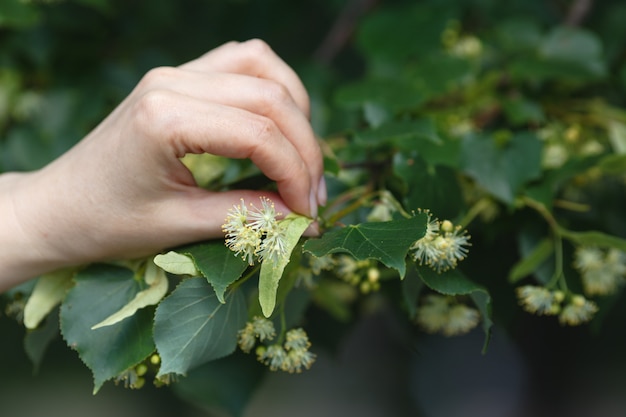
(23, 253)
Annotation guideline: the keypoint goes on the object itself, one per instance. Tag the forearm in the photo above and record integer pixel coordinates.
(20, 256)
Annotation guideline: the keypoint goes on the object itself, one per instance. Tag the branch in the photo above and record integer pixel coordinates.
(577, 13)
(341, 30)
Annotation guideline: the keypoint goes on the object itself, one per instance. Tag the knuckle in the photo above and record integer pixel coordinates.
(274, 94)
(256, 48)
(263, 131)
(152, 115)
(157, 77)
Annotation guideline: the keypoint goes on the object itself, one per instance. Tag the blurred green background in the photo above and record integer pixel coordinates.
(65, 64)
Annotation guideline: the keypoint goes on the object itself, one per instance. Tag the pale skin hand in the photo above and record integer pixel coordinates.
(122, 192)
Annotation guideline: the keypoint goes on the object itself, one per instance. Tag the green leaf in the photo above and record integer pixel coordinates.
(217, 263)
(435, 187)
(617, 136)
(613, 164)
(18, 14)
(532, 261)
(454, 282)
(406, 133)
(292, 226)
(522, 111)
(157, 283)
(395, 95)
(36, 341)
(101, 290)
(224, 386)
(176, 263)
(387, 242)
(192, 327)
(594, 238)
(502, 169)
(411, 287)
(49, 290)
(574, 45)
(397, 33)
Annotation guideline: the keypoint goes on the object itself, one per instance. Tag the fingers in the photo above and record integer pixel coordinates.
(190, 125)
(254, 58)
(263, 97)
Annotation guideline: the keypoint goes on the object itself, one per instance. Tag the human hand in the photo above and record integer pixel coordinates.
(122, 191)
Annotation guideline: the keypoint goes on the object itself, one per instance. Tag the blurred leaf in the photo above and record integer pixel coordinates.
(100, 291)
(433, 187)
(18, 14)
(575, 45)
(411, 287)
(397, 33)
(613, 164)
(406, 134)
(192, 327)
(532, 260)
(440, 73)
(292, 227)
(388, 242)
(396, 95)
(617, 136)
(49, 290)
(521, 111)
(502, 170)
(36, 341)
(594, 238)
(518, 34)
(222, 386)
(217, 263)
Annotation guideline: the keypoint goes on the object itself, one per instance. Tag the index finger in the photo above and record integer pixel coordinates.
(254, 58)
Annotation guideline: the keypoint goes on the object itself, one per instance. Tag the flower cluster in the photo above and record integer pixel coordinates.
(601, 271)
(291, 356)
(443, 314)
(541, 301)
(254, 234)
(259, 328)
(443, 245)
(363, 274)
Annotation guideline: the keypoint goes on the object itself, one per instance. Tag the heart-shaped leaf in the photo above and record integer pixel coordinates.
(387, 242)
(100, 291)
(192, 327)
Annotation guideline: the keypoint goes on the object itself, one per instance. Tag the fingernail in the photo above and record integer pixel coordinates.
(313, 230)
(322, 194)
(313, 204)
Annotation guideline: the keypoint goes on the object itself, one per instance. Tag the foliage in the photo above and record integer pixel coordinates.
(440, 120)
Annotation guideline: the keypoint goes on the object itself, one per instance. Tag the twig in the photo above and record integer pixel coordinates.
(577, 12)
(341, 30)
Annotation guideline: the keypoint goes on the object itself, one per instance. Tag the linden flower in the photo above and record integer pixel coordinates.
(298, 359)
(441, 314)
(601, 271)
(246, 242)
(461, 319)
(246, 338)
(254, 233)
(579, 310)
(297, 339)
(263, 219)
(263, 328)
(273, 356)
(442, 246)
(432, 314)
(273, 246)
(539, 300)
